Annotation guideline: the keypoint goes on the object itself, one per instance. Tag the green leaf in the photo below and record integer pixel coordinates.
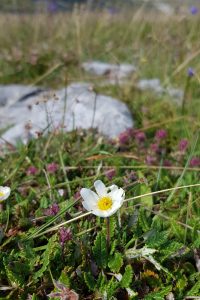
(160, 295)
(15, 278)
(195, 290)
(115, 262)
(127, 277)
(144, 220)
(156, 239)
(146, 201)
(47, 256)
(100, 251)
(89, 280)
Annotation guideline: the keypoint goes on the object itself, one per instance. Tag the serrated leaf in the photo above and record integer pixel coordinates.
(159, 295)
(127, 277)
(100, 250)
(89, 280)
(147, 201)
(47, 256)
(195, 290)
(156, 239)
(144, 220)
(115, 262)
(16, 280)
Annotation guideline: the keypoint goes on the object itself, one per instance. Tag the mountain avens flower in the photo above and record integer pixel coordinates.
(4, 193)
(105, 202)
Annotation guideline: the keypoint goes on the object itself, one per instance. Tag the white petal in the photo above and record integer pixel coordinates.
(90, 199)
(106, 213)
(102, 213)
(5, 190)
(100, 188)
(89, 206)
(117, 195)
(89, 195)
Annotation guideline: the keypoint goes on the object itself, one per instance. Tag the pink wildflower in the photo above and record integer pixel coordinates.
(65, 235)
(140, 136)
(154, 147)
(183, 144)
(150, 160)
(195, 162)
(31, 170)
(52, 210)
(110, 174)
(161, 134)
(52, 168)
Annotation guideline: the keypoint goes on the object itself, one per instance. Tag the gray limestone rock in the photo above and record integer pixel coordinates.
(76, 106)
(155, 86)
(150, 84)
(112, 71)
(10, 94)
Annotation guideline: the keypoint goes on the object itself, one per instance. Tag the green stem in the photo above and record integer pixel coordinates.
(108, 233)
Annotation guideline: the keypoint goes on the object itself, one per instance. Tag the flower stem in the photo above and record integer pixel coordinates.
(108, 233)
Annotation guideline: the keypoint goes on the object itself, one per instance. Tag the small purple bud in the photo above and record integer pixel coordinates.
(150, 160)
(190, 72)
(161, 134)
(65, 235)
(52, 210)
(195, 162)
(140, 136)
(183, 144)
(77, 195)
(154, 147)
(131, 176)
(110, 174)
(31, 170)
(167, 163)
(123, 138)
(52, 168)
(194, 10)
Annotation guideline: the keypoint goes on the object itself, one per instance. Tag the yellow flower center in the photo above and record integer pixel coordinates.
(1, 194)
(105, 203)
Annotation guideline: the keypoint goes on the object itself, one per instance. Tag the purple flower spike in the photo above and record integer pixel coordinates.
(150, 160)
(190, 72)
(52, 168)
(194, 10)
(31, 170)
(140, 136)
(123, 138)
(110, 174)
(52, 210)
(183, 144)
(161, 134)
(154, 147)
(65, 235)
(195, 162)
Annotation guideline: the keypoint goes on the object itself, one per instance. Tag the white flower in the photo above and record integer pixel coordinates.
(4, 192)
(105, 202)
